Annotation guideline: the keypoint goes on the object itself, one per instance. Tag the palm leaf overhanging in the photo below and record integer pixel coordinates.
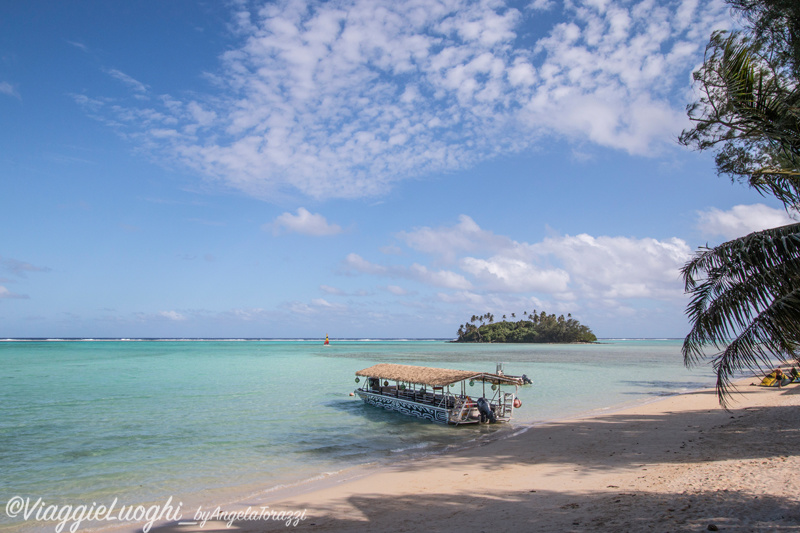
(745, 302)
(745, 293)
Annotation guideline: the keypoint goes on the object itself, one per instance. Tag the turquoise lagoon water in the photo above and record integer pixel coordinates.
(144, 420)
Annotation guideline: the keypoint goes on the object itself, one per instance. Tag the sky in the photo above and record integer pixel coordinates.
(364, 169)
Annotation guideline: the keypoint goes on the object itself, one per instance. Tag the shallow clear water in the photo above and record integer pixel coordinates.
(143, 420)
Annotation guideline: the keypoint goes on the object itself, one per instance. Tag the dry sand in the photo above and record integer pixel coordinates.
(678, 464)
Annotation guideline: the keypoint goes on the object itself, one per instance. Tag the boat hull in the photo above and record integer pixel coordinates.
(407, 407)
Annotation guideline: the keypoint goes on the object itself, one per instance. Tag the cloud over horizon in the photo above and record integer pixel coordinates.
(606, 271)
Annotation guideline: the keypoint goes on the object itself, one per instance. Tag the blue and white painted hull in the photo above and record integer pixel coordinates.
(407, 407)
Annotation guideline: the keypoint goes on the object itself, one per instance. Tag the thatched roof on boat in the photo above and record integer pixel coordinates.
(433, 377)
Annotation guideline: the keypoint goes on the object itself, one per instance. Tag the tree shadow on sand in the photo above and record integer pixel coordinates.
(540, 511)
(624, 440)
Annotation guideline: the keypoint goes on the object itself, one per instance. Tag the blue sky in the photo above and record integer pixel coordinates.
(356, 168)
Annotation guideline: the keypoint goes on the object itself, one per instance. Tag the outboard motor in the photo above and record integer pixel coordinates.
(486, 411)
(526, 380)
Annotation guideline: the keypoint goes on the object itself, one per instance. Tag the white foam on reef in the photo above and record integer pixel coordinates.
(638, 339)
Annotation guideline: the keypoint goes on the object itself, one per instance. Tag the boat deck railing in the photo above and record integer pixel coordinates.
(445, 400)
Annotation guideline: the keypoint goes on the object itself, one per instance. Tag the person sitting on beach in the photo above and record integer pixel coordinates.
(794, 374)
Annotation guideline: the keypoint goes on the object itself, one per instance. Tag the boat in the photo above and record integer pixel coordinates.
(776, 378)
(524, 378)
(441, 395)
(327, 342)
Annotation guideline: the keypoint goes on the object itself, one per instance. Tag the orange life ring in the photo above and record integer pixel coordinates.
(517, 403)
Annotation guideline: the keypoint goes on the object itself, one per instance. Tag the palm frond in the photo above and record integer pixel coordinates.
(745, 302)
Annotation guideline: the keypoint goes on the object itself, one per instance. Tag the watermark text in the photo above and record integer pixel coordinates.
(69, 518)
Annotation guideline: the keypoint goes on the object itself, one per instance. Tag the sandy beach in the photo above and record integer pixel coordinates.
(677, 464)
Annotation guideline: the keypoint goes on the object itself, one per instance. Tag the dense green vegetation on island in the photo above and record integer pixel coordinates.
(532, 328)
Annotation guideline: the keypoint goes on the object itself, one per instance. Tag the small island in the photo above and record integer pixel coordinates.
(532, 328)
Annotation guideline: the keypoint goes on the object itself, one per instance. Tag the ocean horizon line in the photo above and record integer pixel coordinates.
(280, 339)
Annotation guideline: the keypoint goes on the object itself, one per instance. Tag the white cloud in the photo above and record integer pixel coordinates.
(9, 90)
(396, 290)
(603, 266)
(593, 270)
(132, 83)
(317, 306)
(172, 315)
(503, 273)
(300, 308)
(447, 242)
(416, 272)
(303, 222)
(332, 290)
(741, 220)
(542, 5)
(201, 116)
(438, 278)
(335, 291)
(619, 267)
(344, 99)
(463, 297)
(80, 46)
(247, 315)
(391, 250)
(359, 264)
(20, 268)
(7, 294)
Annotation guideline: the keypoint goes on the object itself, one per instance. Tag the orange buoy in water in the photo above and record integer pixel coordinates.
(352, 394)
(517, 403)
